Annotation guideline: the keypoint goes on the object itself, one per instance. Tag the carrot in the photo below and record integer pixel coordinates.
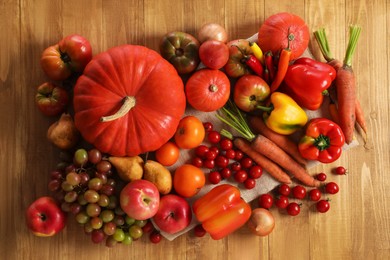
(360, 120)
(233, 117)
(283, 141)
(333, 112)
(273, 169)
(269, 149)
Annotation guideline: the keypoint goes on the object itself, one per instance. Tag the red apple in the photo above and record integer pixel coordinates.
(51, 99)
(250, 91)
(173, 215)
(140, 199)
(45, 218)
(214, 54)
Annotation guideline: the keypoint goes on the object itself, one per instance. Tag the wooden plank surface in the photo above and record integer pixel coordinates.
(358, 224)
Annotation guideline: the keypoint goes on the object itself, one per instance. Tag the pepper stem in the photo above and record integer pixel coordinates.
(264, 108)
(128, 104)
(322, 142)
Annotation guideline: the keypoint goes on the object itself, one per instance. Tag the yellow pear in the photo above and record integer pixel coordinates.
(128, 168)
(158, 174)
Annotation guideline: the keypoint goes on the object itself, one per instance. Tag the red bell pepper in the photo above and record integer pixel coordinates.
(222, 211)
(307, 80)
(323, 141)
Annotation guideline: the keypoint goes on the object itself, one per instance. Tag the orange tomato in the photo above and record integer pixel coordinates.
(168, 154)
(190, 132)
(188, 180)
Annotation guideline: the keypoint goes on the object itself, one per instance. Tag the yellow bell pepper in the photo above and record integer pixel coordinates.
(284, 116)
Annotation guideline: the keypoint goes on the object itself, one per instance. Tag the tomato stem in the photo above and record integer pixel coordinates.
(128, 104)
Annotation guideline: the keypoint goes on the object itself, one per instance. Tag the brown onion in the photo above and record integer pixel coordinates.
(212, 31)
(261, 222)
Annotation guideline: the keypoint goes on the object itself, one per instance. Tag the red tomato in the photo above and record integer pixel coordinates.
(236, 67)
(168, 154)
(190, 132)
(188, 180)
(207, 90)
(250, 91)
(70, 55)
(281, 30)
(214, 54)
(51, 99)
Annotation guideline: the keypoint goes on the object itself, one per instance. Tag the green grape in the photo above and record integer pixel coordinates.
(119, 220)
(82, 217)
(119, 211)
(109, 228)
(71, 196)
(113, 202)
(93, 210)
(73, 178)
(80, 157)
(81, 200)
(96, 223)
(135, 231)
(103, 166)
(91, 196)
(95, 184)
(94, 156)
(65, 206)
(127, 240)
(110, 241)
(119, 235)
(107, 215)
(66, 186)
(88, 228)
(104, 200)
(141, 223)
(129, 221)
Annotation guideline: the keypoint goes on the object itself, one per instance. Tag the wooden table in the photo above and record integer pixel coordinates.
(358, 224)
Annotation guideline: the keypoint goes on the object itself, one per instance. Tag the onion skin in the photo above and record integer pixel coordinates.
(212, 31)
(261, 222)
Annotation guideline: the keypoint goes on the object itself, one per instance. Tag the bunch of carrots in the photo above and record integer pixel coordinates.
(347, 111)
(274, 152)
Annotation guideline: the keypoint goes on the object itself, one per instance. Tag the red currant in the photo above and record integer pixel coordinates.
(321, 176)
(155, 237)
(323, 206)
(281, 202)
(214, 137)
(265, 201)
(215, 177)
(199, 230)
(293, 209)
(315, 194)
(299, 192)
(226, 144)
(226, 173)
(340, 170)
(240, 176)
(255, 171)
(284, 189)
(332, 188)
(250, 183)
(208, 126)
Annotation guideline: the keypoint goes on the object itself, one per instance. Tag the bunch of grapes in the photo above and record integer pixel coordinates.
(86, 187)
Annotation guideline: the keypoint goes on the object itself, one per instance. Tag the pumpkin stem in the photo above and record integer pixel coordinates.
(213, 88)
(128, 103)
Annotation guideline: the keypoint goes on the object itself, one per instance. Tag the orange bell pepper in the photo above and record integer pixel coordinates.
(222, 211)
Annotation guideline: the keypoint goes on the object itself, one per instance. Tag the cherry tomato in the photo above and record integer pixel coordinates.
(168, 154)
(188, 180)
(199, 230)
(214, 137)
(240, 176)
(255, 171)
(284, 189)
(281, 202)
(340, 170)
(293, 209)
(236, 166)
(246, 162)
(211, 155)
(215, 177)
(208, 126)
(321, 176)
(323, 206)
(190, 133)
(265, 201)
(249, 183)
(238, 156)
(230, 154)
(201, 151)
(332, 188)
(226, 144)
(298, 192)
(197, 162)
(226, 173)
(221, 161)
(315, 194)
(209, 164)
